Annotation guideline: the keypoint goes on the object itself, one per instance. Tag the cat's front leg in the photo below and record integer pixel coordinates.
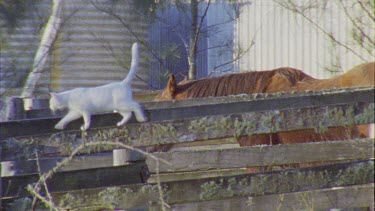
(70, 116)
(60, 125)
(126, 116)
(87, 121)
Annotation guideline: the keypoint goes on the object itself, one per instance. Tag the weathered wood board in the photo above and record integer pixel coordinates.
(225, 158)
(21, 167)
(218, 157)
(183, 122)
(204, 128)
(160, 111)
(148, 102)
(359, 198)
(223, 188)
(15, 186)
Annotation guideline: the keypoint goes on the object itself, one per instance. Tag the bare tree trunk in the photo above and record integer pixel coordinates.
(193, 40)
(46, 43)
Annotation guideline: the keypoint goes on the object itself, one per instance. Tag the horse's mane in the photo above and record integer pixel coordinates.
(239, 83)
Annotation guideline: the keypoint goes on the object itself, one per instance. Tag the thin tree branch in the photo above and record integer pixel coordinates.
(144, 43)
(355, 24)
(214, 47)
(186, 45)
(370, 14)
(235, 59)
(65, 161)
(329, 35)
(198, 31)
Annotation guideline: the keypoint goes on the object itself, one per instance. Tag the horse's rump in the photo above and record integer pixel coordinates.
(359, 76)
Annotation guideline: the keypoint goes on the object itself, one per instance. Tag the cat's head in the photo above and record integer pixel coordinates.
(54, 102)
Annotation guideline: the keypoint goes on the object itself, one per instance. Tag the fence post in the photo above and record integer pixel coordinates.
(1, 182)
(16, 109)
(126, 156)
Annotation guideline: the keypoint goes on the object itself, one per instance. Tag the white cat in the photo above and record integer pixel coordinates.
(116, 97)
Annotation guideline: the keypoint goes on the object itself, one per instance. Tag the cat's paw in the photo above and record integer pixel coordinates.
(142, 119)
(84, 127)
(120, 124)
(59, 127)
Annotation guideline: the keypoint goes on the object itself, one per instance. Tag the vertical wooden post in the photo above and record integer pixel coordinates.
(126, 156)
(16, 109)
(121, 156)
(1, 182)
(8, 168)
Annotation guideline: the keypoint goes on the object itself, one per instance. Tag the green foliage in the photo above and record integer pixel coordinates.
(149, 7)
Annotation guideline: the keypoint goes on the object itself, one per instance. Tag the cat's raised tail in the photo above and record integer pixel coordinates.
(133, 65)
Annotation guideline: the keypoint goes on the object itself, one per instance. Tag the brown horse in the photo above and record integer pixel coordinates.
(282, 79)
(359, 76)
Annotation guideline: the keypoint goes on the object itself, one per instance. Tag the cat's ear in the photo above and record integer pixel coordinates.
(171, 85)
(52, 94)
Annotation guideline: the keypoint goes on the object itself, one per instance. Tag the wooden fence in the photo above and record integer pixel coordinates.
(208, 170)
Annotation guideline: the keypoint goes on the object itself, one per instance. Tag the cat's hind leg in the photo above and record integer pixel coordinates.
(70, 116)
(139, 115)
(87, 121)
(126, 116)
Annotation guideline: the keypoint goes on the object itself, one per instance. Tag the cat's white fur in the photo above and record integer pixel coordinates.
(113, 97)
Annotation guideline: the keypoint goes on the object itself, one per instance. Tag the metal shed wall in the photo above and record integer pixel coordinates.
(93, 48)
(282, 38)
(18, 46)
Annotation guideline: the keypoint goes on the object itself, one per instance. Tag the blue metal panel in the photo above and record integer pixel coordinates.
(166, 37)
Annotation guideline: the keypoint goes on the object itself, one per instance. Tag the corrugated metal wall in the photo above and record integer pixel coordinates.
(93, 48)
(283, 38)
(18, 47)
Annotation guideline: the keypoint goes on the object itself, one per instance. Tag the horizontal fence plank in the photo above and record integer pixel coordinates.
(312, 98)
(164, 111)
(82, 162)
(15, 186)
(179, 176)
(358, 197)
(263, 155)
(223, 157)
(21, 166)
(222, 188)
(205, 128)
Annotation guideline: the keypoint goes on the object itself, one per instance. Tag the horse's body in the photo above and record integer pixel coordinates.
(282, 79)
